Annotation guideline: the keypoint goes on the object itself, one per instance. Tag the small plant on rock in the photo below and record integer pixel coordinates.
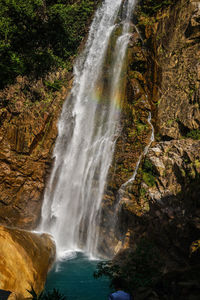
(148, 173)
(54, 295)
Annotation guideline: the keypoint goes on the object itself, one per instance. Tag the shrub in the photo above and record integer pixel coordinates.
(148, 174)
(37, 36)
(194, 134)
(54, 295)
(137, 269)
(150, 7)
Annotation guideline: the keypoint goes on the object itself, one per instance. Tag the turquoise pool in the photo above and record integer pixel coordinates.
(74, 278)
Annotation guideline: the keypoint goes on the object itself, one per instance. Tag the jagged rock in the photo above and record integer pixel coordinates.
(175, 59)
(27, 135)
(166, 202)
(25, 259)
(176, 164)
(166, 209)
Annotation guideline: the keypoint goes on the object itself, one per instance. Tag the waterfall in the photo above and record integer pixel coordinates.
(87, 131)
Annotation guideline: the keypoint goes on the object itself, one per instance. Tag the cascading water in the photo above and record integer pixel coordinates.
(130, 180)
(88, 128)
(122, 189)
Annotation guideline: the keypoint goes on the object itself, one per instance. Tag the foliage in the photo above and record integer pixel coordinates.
(148, 173)
(54, 295)
(37, 35)
(138, 269)
(150, 7)
(140, 127)
(143, 192)
(194, 134)
(149, 179)
(54, 86)
(34, 294)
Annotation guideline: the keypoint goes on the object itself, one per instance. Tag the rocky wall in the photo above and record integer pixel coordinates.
(163, 76)
(29, 113)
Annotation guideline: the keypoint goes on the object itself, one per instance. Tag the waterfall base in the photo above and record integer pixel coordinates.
(74, 279)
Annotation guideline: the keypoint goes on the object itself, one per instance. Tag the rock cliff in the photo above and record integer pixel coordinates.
(163, 76)
(169, 176)
(162, 203)
(25, 259)
(29, 113)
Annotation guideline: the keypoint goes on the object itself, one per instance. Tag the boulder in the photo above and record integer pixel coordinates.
(25, 259)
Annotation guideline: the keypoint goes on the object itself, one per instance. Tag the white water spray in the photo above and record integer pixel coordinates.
(87, 133)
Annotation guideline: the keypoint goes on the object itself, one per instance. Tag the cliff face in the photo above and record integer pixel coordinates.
(28, 115)
(174, 39)
(170, 174)
(161, 206)
(163, 74)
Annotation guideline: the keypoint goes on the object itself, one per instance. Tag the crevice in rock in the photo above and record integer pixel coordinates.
(191, 31)
(4, 203)
(38, 138)
(166, 138)
(184, 130)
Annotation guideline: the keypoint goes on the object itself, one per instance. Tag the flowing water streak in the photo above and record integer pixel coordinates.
(87, 133)
(122, 188)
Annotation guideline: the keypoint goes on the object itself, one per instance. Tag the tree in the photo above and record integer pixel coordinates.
(37, 36)
(139, 268)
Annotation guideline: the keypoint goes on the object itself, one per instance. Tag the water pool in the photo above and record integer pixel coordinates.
(74, 279)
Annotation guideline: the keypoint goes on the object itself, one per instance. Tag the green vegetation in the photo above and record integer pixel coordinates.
(170, 122)
(54, 295)
(136, 269)
(143, 192)
(54, 86)
(149, 179)
(140, 127)
(148, 173)
(150, 7)
(194, 134)
(37, 36)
